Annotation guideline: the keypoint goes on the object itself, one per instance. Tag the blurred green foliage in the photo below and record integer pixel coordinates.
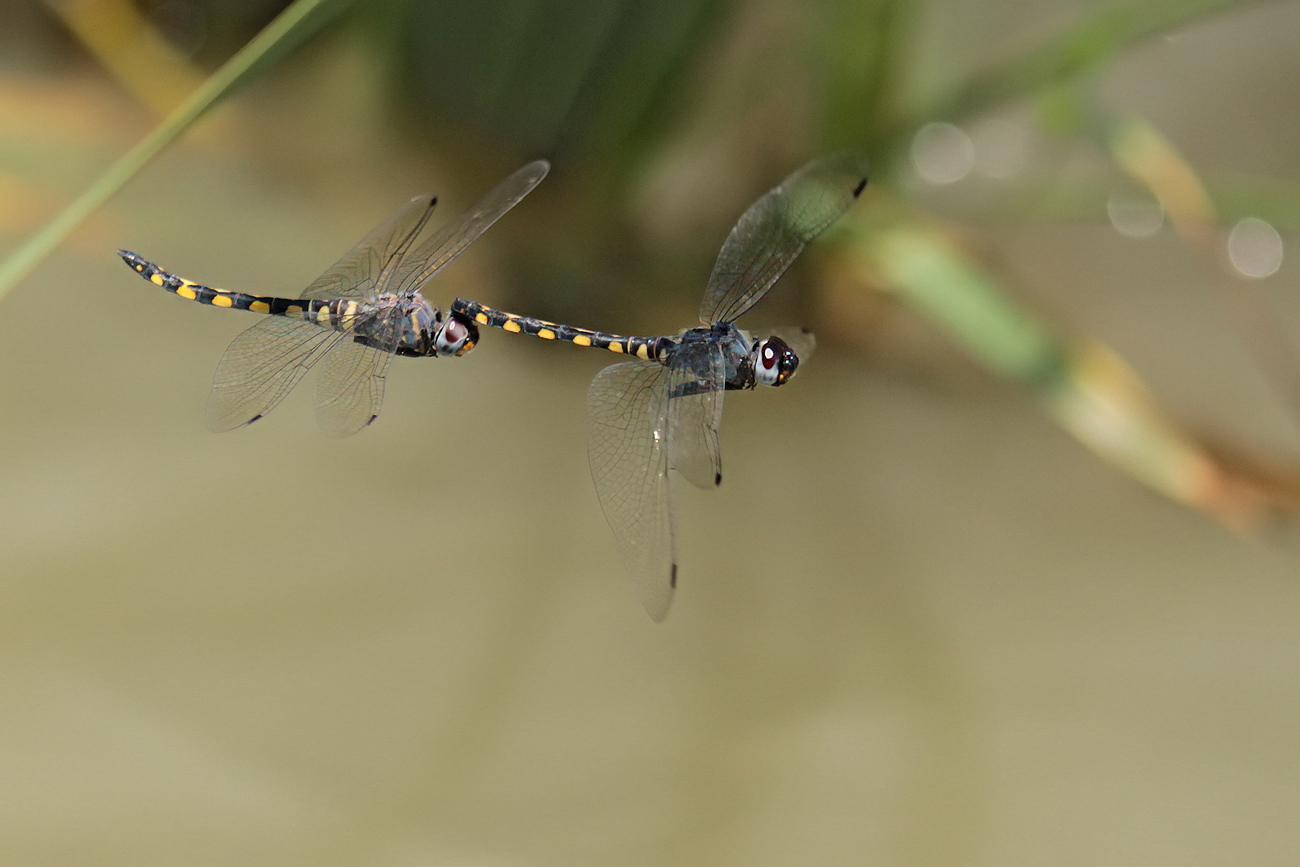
(567, 78)
(665, 119)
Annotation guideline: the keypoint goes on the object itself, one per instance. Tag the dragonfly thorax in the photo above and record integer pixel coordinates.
(746, 362)
(416, 327)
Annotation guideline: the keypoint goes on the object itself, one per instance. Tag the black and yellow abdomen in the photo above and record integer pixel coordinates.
(327, 313)
(646, 348)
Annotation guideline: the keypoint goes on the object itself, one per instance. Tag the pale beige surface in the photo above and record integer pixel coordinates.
(918, 625)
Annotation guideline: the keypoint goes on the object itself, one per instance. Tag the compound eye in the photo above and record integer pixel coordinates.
(454, 337)
(774, 362)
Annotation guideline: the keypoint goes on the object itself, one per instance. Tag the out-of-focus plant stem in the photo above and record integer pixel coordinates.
(1082, 384)
(1152, 160)
(277, 37)
(131, 49)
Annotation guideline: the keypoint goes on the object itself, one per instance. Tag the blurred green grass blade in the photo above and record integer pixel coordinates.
(1095, 40)
(595, 77)
(967, 303)
(283, 34)
(1085, 387)
(861, 52)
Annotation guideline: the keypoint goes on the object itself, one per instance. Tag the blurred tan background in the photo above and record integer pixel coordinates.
(918, 625)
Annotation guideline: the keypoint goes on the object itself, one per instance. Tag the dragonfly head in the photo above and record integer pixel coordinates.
(455, 336)
(774, 361)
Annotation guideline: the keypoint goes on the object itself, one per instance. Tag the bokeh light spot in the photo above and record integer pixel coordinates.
(1135, 216)
(942, 153)
(1255, 248)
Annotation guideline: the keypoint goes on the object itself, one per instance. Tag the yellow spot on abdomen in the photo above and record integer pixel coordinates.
(546, 334)
(482, 319)
(186, 292)
(510, 325)
(323, 315)
(582, 340)
(221, 300)
(260, 307)
(156, 279)
(643, 352)
(615, 347)
(293, 308)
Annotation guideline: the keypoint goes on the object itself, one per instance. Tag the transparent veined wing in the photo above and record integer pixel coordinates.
(627, 432)
(369, 266)
(350, 382)
(261, 366)
(696, 385)
(447, 243)
(776, 228)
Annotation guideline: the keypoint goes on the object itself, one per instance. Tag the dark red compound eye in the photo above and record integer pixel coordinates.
(776, 362)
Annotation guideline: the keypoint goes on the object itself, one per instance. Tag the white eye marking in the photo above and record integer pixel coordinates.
(766, 370)
(451, 337)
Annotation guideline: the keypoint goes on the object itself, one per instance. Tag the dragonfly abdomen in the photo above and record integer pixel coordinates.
(647, 348)
(329, 313)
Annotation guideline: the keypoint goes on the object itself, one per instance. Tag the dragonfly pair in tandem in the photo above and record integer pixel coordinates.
(656, 413)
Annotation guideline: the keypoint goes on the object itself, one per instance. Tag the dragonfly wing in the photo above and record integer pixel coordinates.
(447, 243)
(261, 366)
(776, 228)
(368, 267)
(627, 429)
(350, 386)
(696, 384)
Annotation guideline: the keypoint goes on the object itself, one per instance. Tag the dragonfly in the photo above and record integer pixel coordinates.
(661, 409)
(351, 321)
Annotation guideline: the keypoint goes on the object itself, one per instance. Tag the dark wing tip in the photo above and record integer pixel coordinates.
(717, 478)
(672, 579)
(862, 185)
(253, 419)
